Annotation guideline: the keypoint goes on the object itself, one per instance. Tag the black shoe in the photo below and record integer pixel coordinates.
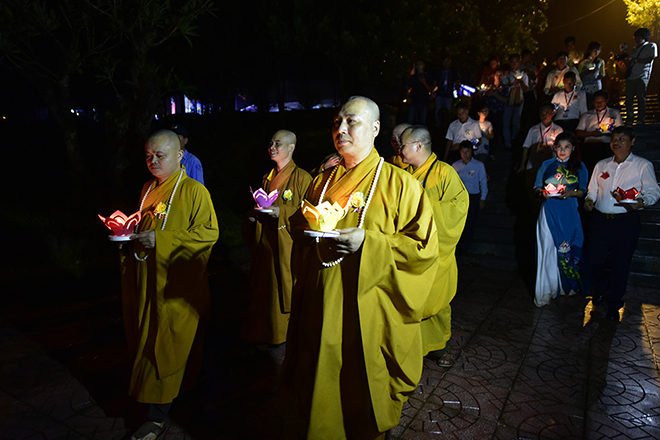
(612, 315)
(597, 300)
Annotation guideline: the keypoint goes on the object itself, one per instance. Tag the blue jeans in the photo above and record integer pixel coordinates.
(512, 115)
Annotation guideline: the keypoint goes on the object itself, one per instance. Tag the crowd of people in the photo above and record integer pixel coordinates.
(361, 302)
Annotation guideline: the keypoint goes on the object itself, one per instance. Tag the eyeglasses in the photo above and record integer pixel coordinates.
(403, 145)
(564, 147)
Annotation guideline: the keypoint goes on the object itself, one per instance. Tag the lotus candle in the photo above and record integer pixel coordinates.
(551, 189)
(630, 194)
(323, 217)
(264, 200)
(121, 225)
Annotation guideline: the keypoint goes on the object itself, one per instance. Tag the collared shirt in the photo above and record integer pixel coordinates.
(569, 105)
(540, 134)
(634, 172)
(556, 79)
(473, 175)
(193, 166)
(593, 120)
(459, 132)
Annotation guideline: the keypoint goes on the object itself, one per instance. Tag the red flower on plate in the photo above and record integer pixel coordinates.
(605, 175)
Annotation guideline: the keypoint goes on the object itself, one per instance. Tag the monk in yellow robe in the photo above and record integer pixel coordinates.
(269, 238)
(450, 202)
(165, 293)
(397, 160)
(354, 348)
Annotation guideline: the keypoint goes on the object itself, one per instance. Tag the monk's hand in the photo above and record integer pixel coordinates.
(349, 241)
(146, 239)
(274, 211)
(588, 205)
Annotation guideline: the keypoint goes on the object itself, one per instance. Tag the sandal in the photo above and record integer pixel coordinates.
(446, 361)
(149, 431)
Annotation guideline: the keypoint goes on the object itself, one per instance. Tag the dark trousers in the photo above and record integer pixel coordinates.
(612, 242)
(470, 224)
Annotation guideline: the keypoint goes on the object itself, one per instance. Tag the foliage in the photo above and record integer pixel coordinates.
(644, 13)
(60, 44)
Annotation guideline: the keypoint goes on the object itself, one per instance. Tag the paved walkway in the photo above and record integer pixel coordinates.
(561, 371)
(522, 372)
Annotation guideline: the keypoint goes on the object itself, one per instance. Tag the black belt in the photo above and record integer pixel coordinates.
(622, 214)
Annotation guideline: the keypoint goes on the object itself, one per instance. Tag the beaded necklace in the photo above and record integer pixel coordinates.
(169, 205)
(362, 214)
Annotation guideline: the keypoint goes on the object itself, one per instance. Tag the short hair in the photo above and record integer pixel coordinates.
(525, 52)
(419, 133)
(562, 53)
(643, 33)
(483, 109)
(569, 39)
(514, 55)
(593, 46)
(546, 106)
(570, 74)
(371, 106)
(601, 94)
(462, 104)
(466, 145)
(626, 130)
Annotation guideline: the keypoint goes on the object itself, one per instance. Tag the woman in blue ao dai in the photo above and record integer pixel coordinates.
(559, 235)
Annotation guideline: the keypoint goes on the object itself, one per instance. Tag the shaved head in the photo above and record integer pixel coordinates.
(399, 129)
(370, 106)
(417, 133)
(164, 139)
(286, 136)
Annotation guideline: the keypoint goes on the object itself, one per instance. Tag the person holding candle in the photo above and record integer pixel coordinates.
(559, 236)
(354, 347)
(464, 128)
(592, 70)
(615, 224)
(268, 234)
(518, 83)
(570, 103)
(554, 82)
(446, 80)
(595, 128)
(450, 202)
(165, 292)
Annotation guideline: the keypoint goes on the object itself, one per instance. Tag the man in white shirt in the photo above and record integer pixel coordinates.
(640, 64)
(462, 129)
(570, 103)
(595, 128)
(554, 82)
(615, 225)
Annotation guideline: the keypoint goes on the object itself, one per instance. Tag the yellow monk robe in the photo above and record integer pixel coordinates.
(166, 297)
(354, 351)
(450, 201)
(397, 161)
(267, 317)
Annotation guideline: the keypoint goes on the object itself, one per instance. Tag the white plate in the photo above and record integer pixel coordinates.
(120, 237)
(321, 234)
(265, 210)
(554, 195)
(627, 201)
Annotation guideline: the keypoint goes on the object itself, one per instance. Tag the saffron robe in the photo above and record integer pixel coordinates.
(166, 297)
(270, 241)
(450, 201)
(354, 351)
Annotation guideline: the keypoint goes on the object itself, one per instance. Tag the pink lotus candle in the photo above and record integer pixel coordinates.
(120, 224)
